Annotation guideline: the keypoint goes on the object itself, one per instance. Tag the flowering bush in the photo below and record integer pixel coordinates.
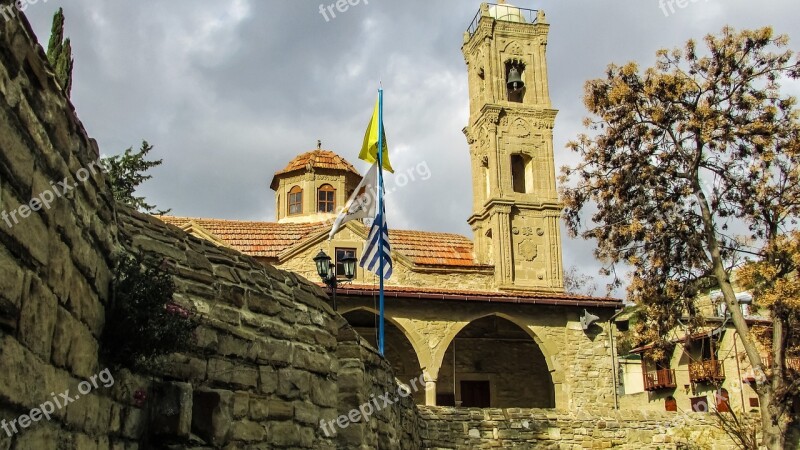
(142, 321)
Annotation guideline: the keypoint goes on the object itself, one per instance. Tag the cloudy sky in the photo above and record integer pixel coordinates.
(228, 91)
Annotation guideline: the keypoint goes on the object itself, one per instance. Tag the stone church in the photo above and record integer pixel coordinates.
(485, 319)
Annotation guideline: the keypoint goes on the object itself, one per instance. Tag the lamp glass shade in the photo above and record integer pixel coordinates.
(349, 265)
(323, 263)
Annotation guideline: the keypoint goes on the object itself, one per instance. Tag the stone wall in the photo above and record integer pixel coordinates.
(265, 369)
(54, 261)
(366, 378)
(467, 429)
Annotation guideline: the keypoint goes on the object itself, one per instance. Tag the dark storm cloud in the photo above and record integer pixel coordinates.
(230, 91)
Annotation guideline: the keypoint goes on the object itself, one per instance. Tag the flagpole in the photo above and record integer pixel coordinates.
(381, 214)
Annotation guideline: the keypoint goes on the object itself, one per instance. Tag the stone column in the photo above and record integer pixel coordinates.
(503, 263)
(430, 390)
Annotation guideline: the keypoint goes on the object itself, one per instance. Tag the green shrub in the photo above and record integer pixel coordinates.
(142, 321)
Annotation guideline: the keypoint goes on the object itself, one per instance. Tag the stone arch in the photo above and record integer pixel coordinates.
(545, 347)
(412, 336)
(507, 356)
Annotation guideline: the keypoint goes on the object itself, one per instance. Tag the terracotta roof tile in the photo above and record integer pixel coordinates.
(265, 239)
(437, 249)
(268, 239)
(318, 159)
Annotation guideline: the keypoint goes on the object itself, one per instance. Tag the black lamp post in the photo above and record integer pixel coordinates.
(327, 271)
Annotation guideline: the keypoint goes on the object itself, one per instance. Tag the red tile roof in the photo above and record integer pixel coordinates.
(318, 159)
(265, 239)
(439, 249)
(269, 239)
(541, 298)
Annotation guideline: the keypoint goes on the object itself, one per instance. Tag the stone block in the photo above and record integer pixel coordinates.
(290, 434)
(171, 409)
(248, 431)
(268, 379)
(274, 352)
(279, 409)
(212, 415)
(241, 405)
(293, 383)
(260, 303)
(258, 408)
(38, 318)
(307, 413)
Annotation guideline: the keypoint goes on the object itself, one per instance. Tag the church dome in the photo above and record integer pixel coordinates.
(315, 159)
(507, 13)
(318, 159)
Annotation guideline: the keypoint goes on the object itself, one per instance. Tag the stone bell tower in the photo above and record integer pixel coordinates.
(516, 210)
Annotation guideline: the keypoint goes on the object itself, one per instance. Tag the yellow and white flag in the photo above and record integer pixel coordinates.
(369, 150)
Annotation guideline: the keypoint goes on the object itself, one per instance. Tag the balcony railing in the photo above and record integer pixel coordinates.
(659, 379)
(792, 364)
(505, 13)
(706, 371)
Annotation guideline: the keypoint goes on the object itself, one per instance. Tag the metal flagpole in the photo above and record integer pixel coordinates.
(381, 213)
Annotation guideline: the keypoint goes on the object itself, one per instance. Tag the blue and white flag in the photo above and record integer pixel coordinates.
(377, 243)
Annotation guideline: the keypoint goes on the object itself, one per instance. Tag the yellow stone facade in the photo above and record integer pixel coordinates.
(484, 313)
(516, 209)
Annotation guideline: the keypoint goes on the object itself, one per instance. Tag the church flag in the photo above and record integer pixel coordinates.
(362, 203)
(369, 149)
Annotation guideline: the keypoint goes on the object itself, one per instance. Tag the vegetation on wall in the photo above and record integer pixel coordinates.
(126, 172)
(59, 53)
(142, 321)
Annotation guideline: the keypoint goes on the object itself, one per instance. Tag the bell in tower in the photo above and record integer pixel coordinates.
(515, 84)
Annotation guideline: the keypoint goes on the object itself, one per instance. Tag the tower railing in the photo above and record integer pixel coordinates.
(504, 13)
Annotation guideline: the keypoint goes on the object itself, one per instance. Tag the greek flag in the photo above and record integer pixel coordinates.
(377, 247)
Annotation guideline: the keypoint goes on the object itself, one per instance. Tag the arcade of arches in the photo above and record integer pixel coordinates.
(498, 355)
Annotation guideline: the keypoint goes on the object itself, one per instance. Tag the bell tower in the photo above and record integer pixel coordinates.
(516, 210)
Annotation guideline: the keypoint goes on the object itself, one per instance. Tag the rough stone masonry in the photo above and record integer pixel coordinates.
(272, 359)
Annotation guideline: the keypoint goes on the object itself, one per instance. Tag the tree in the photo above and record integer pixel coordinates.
(682, 155)
(59, 53)
(126, 172)
(579, 283)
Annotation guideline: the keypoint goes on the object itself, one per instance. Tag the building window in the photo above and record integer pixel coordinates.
(295, 201)
(723, 400)
(754, 402)
(699, 404)
(342, 253)
(671, 404)
(326, 199)
(522, 173)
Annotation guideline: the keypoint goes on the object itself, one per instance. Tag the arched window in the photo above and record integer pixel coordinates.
(723, 400)
(295, 201)
(326, 199)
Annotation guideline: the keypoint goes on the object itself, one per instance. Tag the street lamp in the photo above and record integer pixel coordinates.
(327, 271)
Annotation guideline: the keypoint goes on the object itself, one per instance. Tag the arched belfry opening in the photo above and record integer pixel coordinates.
(398, 349)
(515, 80)
(493, 363)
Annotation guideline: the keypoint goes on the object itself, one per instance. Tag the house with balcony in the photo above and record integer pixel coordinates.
(706, 368)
